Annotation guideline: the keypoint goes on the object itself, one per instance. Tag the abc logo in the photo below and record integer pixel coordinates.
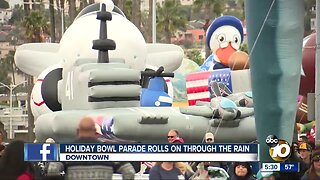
(279, 149)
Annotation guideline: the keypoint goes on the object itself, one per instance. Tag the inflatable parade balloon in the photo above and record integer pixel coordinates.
(225, 70)
(224, 37)
(307, 80)
(275, 35)
(105, 79)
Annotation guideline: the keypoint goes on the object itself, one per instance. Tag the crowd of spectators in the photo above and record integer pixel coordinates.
(13, 166)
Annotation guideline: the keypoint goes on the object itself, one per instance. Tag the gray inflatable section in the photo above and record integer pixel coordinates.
(34, 58)
(145, 125)
(95, 86)
(114, 90)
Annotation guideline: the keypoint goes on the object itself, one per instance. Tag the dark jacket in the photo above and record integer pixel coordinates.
(234, 177)
(306, 177)
(247, 177)
(158, 173)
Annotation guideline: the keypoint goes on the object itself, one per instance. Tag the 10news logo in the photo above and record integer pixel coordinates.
(279, 149)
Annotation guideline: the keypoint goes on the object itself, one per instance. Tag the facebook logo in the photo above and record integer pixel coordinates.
(40, 152)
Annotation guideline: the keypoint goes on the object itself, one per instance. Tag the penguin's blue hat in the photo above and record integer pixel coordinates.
(222, 21)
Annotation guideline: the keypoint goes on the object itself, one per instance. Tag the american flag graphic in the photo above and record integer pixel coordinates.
(197, 87)
(148, 164)
(198, 84)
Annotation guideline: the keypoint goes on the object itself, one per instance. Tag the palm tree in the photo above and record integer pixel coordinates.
(26, 7)
(121, 4)
(35, 4)
(208, 6)
(72, 9)
(169, 19)
(52, 21)
(6, 67)
(149, 22)
(58, 21)
(4, 78)
(83, 4)
(127, 9)
(35, 25)
(241, 4)
(11, 67)
(9, 60)
(136, 13)
(62, 11)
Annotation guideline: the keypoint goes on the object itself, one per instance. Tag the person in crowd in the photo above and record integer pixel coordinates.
(209, 137)
(173, 137)
(90, 170)
(50, 141)
(201, 173)
(303, 138)
(165, 170)
(314, 171)
(185, 169)
(304, 151)
(242, 171)
(12, 164)
(267, 175)
(173, 134)
(312, 144)
(2, 147)
(178, 140)
(2, 139)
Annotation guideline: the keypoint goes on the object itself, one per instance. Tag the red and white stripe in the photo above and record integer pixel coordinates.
(197, 87)
(169, 85)
(148, 164)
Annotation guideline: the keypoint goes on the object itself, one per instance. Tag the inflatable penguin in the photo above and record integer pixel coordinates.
(224, 37)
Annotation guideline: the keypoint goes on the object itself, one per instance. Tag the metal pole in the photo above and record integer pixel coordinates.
(154, 22)
(62, 21)
(10, 122)
(317, 73)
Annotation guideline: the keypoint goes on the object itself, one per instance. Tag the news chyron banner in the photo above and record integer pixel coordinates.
(141, 152)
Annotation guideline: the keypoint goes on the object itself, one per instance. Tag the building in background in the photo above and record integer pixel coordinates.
(5, 15)
(145, 3)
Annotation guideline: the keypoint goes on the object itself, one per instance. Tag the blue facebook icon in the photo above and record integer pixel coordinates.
(40, 152)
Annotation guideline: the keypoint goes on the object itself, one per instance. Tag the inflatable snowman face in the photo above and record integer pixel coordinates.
(77, 40)
(224, 36)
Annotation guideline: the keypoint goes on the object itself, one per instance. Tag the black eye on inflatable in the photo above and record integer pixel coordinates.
(44, 97)
(236, 39)
(49, 89)
(221, 37)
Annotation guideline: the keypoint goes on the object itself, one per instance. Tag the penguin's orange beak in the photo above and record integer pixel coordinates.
(224, 53)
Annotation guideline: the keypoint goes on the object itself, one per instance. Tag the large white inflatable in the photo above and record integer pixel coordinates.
(99, 69)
